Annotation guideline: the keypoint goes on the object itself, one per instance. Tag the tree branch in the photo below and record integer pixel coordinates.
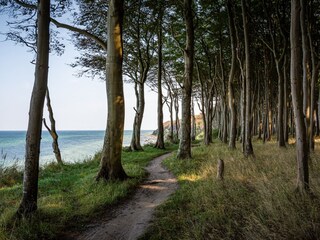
(98, 40)
(26, 5)
(45, 124)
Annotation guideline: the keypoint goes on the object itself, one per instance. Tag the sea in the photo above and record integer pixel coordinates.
(75, 146)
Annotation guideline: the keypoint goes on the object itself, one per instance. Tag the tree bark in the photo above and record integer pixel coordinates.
(177, 122)
(160, 138)
(286, 101)
(52, 130)
(280, 122)
(248, 150)
(184, 151)
(110, 165)
(224, 122)
(170, 107)
(193, 122)
(28, 204)
(306, 69)
(231, 97)
(136, 133)
(302, 152)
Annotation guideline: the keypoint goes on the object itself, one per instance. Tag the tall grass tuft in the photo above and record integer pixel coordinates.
(256, 199)
(9, 175)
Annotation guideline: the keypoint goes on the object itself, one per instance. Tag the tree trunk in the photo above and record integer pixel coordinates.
(52, 131)
(315, 76)
(177, 122)
(247, 141)
(136, 133)
(317, 117)
(280, 125)
(233, 113)
(110, 165)
(30, 179)
(286, 101)
(243, 110)
(306, 69)
(170, 107)
(160, 138)
(297, 98)
(185, 141)
(225, 122)
(193, 122)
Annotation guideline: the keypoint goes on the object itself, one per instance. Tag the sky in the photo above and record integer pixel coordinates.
(78, 103)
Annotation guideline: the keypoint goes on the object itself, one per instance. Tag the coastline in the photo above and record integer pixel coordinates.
(75, 145)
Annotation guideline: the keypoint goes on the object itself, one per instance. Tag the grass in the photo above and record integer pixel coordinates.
(256, 200)
(69, 197)
(8, 176)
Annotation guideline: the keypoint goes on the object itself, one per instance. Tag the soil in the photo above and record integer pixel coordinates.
(130, 219)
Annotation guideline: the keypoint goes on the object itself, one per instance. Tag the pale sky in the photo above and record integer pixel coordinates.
(78, 103)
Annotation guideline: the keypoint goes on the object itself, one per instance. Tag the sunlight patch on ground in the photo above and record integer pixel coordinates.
(291, 141)
(190, 177)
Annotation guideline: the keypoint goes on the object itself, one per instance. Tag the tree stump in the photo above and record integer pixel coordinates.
(220, 169)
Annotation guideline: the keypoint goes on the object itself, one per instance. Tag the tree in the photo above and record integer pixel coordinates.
(111, 167)
(185, 140)
(233, 42)
(30, 180)
(139, 42)
(297, 98)
(160, 136)
(52, 130)
(248, 150)
(278, 49)
(95, 62)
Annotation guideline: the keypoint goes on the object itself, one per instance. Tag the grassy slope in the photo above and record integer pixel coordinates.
(69, 196)
(257, 199)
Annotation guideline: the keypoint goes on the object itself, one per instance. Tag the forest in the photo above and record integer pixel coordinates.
(251, 67)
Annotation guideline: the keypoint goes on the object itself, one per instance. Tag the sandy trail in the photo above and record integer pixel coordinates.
(133, 216)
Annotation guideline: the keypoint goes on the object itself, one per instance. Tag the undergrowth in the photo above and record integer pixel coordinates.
(69, 197)
(256, 199)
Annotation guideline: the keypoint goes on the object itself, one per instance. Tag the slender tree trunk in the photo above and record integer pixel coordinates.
(306, 67)
(170, 106)
(30, 178)
(225, 122)
(247, 141)
(185, 141)
(160, 138)
(317, 117)
(193, 122)
(136, 133)
(280, 125)
(243, 110)
(266, 99)
(177, 122)
(52, 130)
(286, 103)
(233, 42)
(297, 98)
(110, 165)
(315, 76)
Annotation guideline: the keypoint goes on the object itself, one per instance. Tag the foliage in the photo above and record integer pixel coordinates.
(69, 196)
(22, 23)
(256, 200)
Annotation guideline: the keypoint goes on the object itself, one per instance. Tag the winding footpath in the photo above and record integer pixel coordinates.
(132, 218)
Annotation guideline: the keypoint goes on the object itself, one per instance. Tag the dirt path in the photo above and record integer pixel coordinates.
(133, 216)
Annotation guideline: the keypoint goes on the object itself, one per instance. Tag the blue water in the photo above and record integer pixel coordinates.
(74, 145)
